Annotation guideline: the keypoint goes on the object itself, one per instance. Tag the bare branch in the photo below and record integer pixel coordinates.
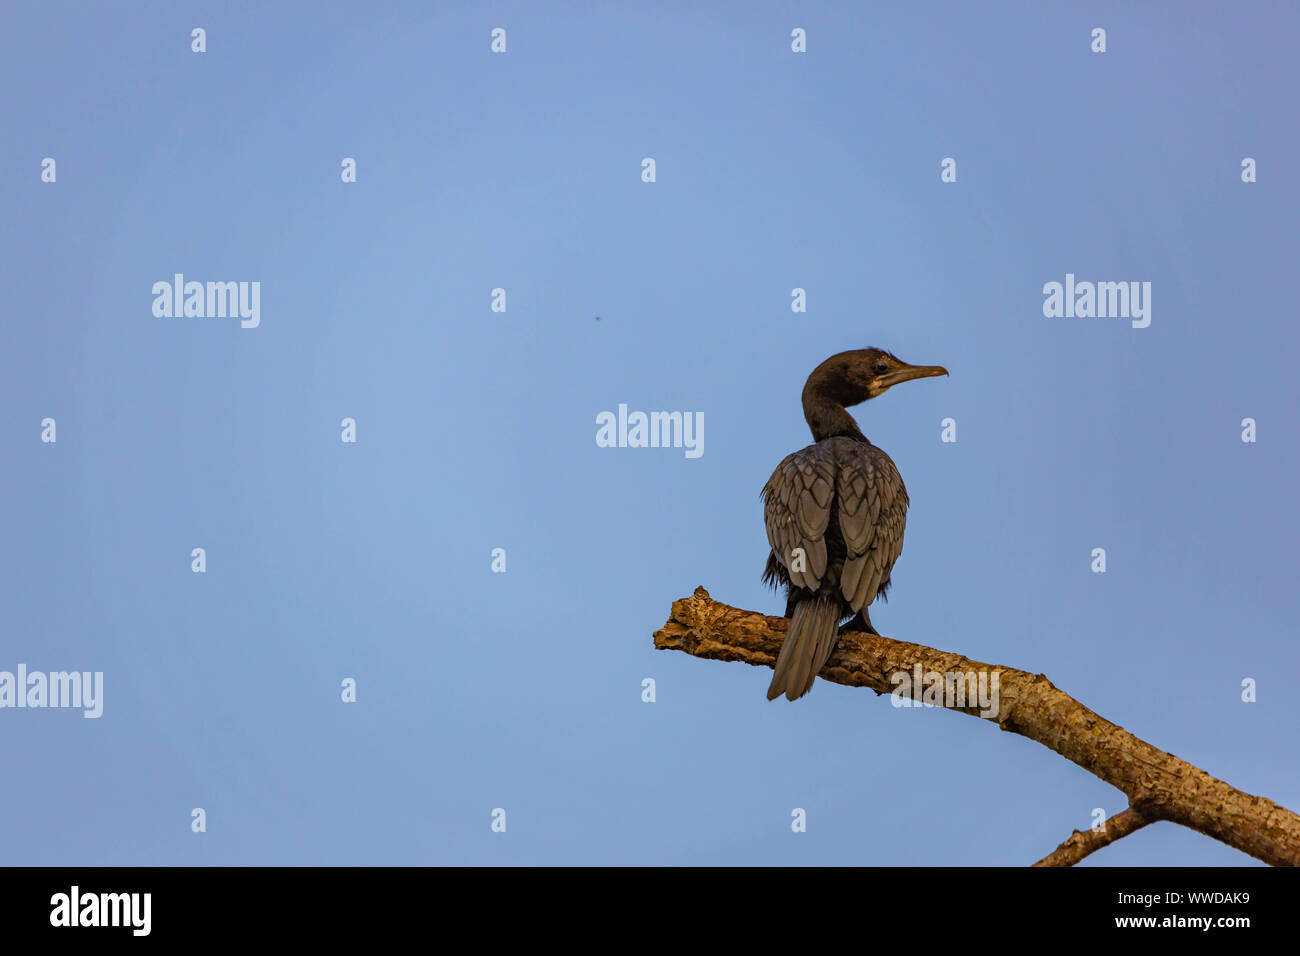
(1081, 843)
(1159, 785)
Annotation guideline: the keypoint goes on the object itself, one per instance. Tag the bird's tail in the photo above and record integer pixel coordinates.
(809, 640)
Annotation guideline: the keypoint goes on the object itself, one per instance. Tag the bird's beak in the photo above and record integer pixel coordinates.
(908, 372)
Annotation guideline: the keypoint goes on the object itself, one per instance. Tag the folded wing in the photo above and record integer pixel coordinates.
(872, 504)
(797, 508)
(858, 485)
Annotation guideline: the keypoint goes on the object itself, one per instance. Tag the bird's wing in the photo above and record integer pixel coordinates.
(872, 513)
(797, 508)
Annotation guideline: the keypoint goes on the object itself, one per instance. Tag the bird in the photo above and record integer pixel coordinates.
(835, 513)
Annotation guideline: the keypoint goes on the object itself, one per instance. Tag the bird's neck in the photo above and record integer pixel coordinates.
(828, 419)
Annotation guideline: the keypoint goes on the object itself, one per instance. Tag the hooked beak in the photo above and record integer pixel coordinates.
(909, 372)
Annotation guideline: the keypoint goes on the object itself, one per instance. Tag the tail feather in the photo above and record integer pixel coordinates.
(809, 641)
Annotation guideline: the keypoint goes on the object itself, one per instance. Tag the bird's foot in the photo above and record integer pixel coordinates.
(860, 623)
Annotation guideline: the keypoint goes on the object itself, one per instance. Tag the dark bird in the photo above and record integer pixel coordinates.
(834, 513)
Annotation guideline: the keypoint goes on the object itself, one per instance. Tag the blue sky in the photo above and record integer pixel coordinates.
(476, 429)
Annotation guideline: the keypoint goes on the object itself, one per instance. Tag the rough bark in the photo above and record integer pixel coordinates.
(1159, 785)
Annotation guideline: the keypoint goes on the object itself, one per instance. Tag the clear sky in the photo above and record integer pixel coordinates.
(476, 429)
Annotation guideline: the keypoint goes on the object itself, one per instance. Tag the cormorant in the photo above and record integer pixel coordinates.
(834, 513)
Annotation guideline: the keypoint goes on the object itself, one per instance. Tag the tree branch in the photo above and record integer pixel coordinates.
(1081, 843)
(1159, 785)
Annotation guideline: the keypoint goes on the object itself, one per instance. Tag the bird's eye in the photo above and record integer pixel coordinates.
(881, 368)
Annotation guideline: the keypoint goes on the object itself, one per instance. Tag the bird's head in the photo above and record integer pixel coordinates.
(850, 378)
